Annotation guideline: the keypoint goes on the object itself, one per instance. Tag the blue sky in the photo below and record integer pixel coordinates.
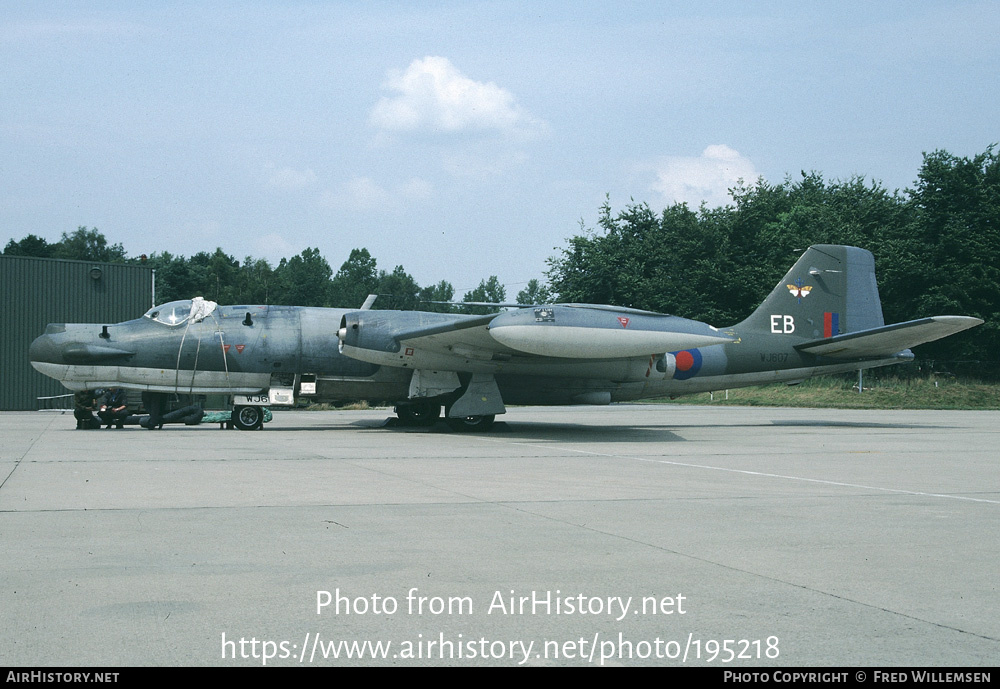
(460, 139)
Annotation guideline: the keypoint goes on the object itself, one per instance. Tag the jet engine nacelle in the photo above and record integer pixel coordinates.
(663, 366)
(367, 330)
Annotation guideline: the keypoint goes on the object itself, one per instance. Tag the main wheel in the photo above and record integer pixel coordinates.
(419, 414)
(248, 418)
(471, 423)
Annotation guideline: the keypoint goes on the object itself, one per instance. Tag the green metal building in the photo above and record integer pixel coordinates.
(37, 291)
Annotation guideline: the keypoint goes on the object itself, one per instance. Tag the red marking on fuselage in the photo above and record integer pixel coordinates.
(684, 360)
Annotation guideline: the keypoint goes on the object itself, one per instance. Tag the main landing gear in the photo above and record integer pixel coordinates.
(471, 424)
(426, 414)
(418, 413)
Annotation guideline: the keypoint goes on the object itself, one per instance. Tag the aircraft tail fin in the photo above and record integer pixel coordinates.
(831, 290)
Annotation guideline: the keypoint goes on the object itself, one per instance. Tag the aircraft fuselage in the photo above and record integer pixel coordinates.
(236, 350)
(243, 349)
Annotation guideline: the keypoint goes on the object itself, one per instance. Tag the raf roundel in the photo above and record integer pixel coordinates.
(687, 363)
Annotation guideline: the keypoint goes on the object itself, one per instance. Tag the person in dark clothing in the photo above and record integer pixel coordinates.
(114, 411)
(84, 404)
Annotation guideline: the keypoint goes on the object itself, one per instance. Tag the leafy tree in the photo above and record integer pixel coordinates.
(83, 244)
(397, 290)
(254, 282)
(88, 245)
(534, 293)
(718, 264)
(488, 291)
(662, 263)
(173, 277)
(356, 279)
(950, 252)
(29, 246)
(303, 280)
(441, 292)
(214, 275)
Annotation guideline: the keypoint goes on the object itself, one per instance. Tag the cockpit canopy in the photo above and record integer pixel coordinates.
(178, 312)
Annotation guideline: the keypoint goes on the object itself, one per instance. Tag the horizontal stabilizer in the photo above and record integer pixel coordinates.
(888, 339)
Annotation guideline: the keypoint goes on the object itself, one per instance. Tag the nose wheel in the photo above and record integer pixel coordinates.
(248, 418)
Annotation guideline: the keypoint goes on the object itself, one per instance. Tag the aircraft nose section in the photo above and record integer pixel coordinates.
(44, 348)
(75, 345)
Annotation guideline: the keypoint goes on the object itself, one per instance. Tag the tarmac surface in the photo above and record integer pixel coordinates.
(623, 535)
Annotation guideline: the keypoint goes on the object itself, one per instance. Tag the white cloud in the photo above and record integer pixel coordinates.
(289, 178)
(432, 95)
(707, 177)
(364, 193)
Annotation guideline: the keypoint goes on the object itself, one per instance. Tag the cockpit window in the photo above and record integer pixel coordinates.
(171, 313)
(177, 312)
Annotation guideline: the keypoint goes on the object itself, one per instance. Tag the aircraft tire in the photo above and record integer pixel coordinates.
(471, 424)
(248, 418)
(420, 414)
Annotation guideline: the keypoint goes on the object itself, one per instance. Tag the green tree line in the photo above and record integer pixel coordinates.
(303, 280)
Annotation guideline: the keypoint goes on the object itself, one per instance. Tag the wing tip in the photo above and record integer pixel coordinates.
(960, 322)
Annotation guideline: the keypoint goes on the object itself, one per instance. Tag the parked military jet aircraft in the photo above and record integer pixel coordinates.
(823, 317)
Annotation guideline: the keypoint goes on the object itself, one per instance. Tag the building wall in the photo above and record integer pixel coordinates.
(39, 291)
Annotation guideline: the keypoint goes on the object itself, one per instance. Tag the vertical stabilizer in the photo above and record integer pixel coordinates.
(829, 291)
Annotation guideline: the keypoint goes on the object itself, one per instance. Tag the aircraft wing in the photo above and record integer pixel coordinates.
(453, 342)
(467, 338)
(888, 339)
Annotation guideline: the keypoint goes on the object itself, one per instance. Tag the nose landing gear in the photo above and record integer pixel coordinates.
(248, 418)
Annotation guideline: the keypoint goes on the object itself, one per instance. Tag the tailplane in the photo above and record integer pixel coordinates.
(888, 339)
